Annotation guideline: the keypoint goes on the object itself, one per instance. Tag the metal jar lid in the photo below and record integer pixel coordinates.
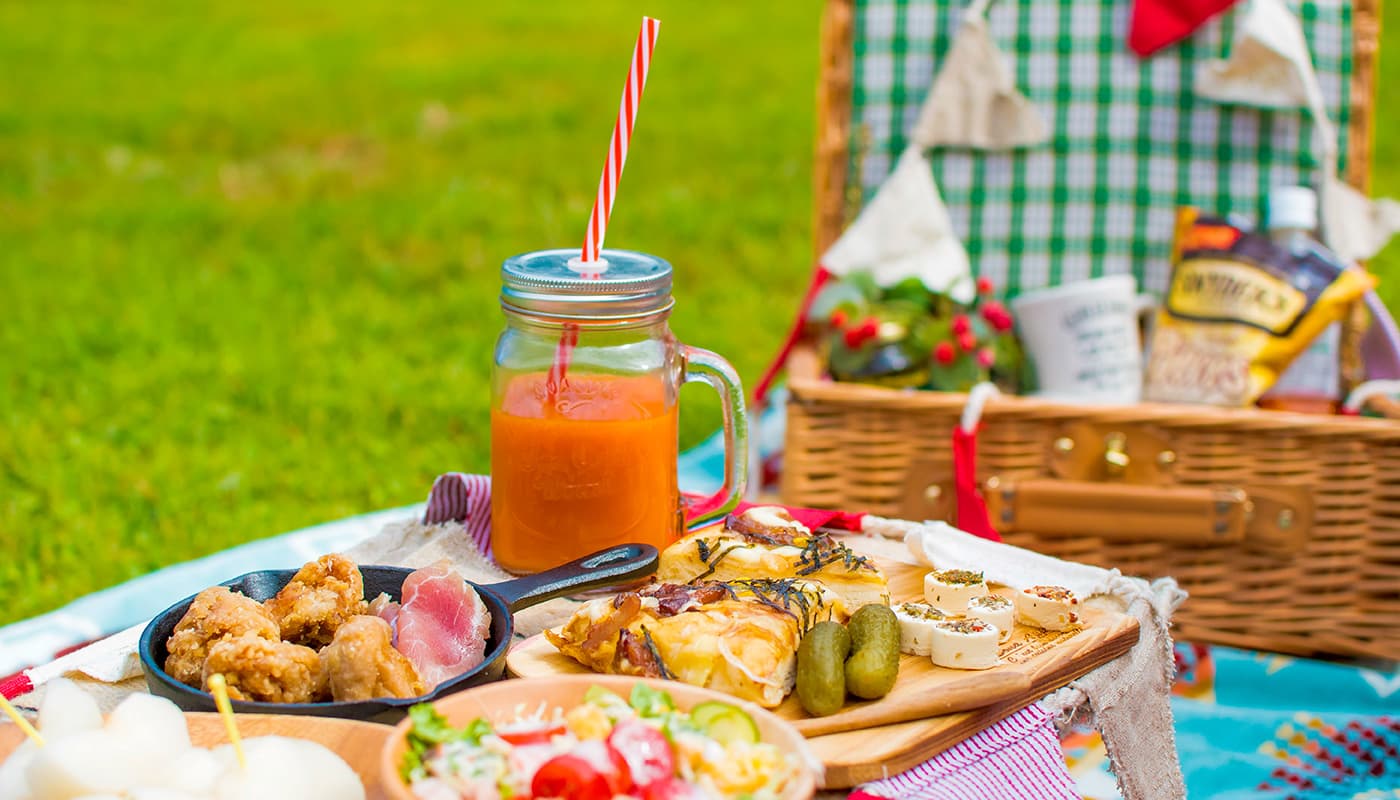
(555, 283)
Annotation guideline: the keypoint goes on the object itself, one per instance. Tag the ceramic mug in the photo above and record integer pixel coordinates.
(1084, 339)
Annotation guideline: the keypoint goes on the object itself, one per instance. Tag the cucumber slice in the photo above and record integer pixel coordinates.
(724, 723)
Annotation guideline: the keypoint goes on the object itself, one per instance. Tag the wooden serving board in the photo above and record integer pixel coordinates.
(359, 743)
(930, 708)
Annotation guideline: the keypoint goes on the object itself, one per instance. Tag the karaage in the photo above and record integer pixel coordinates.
(215, 614)
(361, 663)
(322, 596)
(269, 671)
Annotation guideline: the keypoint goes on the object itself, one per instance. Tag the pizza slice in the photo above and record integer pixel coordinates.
(765, 542)
(739, 637)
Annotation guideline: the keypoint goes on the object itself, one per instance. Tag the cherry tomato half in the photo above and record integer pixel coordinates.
(532, 735)
(569, 777)
(648, 755)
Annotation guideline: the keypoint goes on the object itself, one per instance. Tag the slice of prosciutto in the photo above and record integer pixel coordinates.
(442, 624)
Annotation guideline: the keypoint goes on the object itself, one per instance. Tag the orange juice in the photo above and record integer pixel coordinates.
(591, 467)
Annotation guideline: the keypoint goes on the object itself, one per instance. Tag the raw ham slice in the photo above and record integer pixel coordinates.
(443, 624)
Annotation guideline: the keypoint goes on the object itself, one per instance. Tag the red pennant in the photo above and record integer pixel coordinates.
(1158, 23)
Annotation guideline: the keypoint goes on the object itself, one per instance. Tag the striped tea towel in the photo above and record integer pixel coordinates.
(457, 497)
(1018, 758)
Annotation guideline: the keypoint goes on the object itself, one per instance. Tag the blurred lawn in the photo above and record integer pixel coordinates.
(248, 255)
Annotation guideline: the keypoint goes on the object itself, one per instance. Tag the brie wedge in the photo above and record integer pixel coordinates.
(1049, 607)
(994, 609)
(965, 644)
(916, 621)
(950, 590)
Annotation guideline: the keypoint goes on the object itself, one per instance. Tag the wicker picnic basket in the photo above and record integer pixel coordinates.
(1284, 528)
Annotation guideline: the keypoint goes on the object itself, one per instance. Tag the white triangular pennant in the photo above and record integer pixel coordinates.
(1270, 67)
(905, 231)
(974, 101)
(1269, 64)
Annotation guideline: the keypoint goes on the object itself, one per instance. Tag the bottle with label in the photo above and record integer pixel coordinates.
(1313, 382)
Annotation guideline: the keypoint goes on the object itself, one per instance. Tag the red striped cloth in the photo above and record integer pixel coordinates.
(458, 497)
(1018, 758)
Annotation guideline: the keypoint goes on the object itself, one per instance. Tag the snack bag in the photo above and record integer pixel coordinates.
(1239, 309)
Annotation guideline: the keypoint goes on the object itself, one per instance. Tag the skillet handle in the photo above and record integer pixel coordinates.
(624, 563)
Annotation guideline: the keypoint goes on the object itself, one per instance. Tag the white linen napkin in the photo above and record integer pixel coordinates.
(1130, 697)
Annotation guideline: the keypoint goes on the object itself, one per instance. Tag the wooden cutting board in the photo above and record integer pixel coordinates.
(930, 708)
(359, 743)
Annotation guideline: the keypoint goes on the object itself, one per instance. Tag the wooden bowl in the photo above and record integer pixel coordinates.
(361, 744)
(503, 701)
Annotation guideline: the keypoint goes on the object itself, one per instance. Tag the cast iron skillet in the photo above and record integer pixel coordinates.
(616, 565)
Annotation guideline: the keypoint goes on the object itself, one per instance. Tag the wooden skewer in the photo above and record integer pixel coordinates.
(13, 713)
(219, 687)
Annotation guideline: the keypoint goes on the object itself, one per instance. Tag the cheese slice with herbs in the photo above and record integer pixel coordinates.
(1053, 608)
(965, 644)
(950, 590)
(994, 609)
(916, 621)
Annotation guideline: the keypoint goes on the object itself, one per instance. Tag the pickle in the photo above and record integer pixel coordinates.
(874, 663)
(821, 668)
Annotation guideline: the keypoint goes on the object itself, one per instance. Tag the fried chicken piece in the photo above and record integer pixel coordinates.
(361, 663)
(215, 614)
(322, 596)
(269, 671)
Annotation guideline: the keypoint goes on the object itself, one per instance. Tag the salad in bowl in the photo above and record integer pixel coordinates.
(595, 738)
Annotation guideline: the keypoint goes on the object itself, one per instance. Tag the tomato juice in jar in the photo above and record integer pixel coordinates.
(584, 410)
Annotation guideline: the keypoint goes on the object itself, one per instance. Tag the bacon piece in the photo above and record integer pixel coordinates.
(626, 606)
(443, 624)
(641, 658)
(674, 598)
(754, 531)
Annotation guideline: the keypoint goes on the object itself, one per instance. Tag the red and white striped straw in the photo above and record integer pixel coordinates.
(621, 138)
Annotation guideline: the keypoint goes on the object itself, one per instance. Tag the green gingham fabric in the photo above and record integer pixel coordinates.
(1130, 138)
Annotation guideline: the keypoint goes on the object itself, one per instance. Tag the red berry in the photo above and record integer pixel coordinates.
(967, 341)
(961, 324)
(984, 285)
(986, 357)
(997, 316)
(853, 338)
(839, 319)
(944, 353)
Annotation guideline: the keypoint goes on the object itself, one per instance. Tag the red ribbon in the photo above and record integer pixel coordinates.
(820, 277)
(972, 508)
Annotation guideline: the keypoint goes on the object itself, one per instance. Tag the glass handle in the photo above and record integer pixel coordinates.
(702, 365)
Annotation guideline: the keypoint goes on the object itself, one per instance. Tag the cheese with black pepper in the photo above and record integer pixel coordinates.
(994, 609)
(1053, 608)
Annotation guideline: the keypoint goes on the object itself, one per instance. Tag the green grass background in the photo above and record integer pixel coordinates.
(249, 252)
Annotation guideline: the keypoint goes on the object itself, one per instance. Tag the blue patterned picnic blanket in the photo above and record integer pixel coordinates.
(1263, 725)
